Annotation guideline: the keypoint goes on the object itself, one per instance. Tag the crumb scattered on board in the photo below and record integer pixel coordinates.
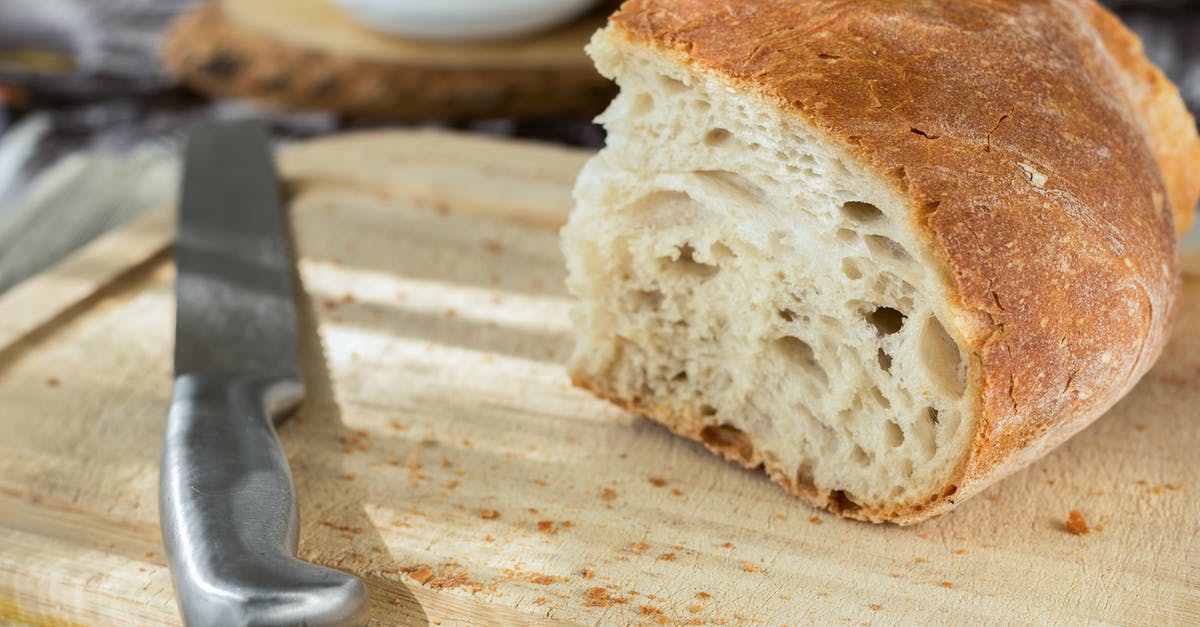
(1076, 524)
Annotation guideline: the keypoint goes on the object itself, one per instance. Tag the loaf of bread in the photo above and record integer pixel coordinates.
(888, 251)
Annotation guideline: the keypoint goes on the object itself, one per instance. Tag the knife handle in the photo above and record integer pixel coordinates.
(228, 511)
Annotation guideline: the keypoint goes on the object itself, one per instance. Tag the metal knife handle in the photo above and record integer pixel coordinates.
(229, 516)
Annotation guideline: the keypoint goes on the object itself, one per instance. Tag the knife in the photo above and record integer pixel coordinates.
(227, 505)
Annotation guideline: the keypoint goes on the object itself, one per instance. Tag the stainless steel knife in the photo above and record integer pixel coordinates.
(227, 504)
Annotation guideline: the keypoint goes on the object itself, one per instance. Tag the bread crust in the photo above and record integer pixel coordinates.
(1043, 158)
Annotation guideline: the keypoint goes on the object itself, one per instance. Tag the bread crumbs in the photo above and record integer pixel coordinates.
(920, 560)
(815, 520)
(638, 548)
(960, 551)
(657, 482)
(667, 557)
(547, 526)
(947, 584)
(52, 382)
(608, 494)
(422, 574)
(489, 514)
(704, 595)
(599, 597)
(676, 492)
(539, 601)
(748, 567)
(694, 608)
(875, 607)
(1076, 524)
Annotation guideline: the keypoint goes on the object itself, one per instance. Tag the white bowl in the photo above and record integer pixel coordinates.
(459, 20)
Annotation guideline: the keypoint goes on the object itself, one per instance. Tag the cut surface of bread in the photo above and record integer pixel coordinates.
(755, 275)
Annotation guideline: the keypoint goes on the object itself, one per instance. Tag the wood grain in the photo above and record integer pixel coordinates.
(441, 431)
(307, 54)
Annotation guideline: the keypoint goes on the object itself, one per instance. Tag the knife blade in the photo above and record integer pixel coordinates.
(227, 504)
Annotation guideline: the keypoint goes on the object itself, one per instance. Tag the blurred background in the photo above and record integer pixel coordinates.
(95, 94)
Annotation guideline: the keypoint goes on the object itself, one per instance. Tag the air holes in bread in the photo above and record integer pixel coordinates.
(716, 137)
(841, 501)
(649, 299)
(642, 104)
(799, 353)
(733, 182)
(859, 456)
(885, 248)
(729, 440)
(861, 212)
(672, 85)
(941, 358)
(884, 359)
(885, 320)
(851, 270)
(687, 265)
(880, 398)
(663, 207)
(893, 434)
(847, 235)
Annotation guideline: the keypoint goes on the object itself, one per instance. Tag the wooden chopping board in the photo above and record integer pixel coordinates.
(443, 457)
(308, 54)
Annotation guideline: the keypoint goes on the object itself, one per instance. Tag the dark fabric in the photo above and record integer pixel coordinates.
(1170, 32)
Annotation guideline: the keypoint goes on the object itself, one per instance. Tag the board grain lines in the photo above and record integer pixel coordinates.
(443, 456)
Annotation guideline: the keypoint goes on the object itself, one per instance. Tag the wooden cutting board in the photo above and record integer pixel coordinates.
(307, 54)
(442, 455)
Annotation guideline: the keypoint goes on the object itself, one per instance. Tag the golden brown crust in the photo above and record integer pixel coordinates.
(1041, 160)
(1171, 129)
